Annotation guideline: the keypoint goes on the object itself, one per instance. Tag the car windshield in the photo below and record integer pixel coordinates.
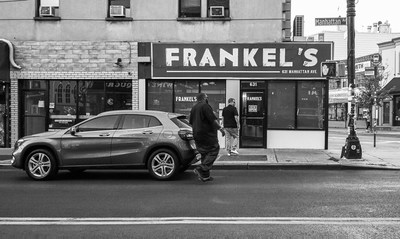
(181, 121)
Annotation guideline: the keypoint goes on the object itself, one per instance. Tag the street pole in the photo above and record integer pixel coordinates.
(352, 147)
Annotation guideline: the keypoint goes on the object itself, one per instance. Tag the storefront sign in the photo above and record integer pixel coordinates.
(185, 99)
(268, 60)
(360, 66)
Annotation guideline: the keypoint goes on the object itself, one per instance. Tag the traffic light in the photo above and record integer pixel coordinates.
(328, 69)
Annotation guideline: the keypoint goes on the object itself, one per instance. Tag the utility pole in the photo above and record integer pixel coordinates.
(352, 147)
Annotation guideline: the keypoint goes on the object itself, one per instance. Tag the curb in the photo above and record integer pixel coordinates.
(257, 165)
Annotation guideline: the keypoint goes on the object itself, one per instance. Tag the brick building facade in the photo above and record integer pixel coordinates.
(69, 60)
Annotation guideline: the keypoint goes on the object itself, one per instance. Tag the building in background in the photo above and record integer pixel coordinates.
(365, 42)
(390, 53)
(298, 28)
(80, 58)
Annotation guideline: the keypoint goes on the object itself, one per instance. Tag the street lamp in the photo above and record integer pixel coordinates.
(352, 147)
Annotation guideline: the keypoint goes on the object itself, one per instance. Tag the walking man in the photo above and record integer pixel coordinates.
(230, 119)
(205, 126)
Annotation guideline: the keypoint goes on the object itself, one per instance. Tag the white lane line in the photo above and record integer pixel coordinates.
(197, 220)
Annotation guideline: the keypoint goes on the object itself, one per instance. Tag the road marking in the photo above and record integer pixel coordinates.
(196, 220)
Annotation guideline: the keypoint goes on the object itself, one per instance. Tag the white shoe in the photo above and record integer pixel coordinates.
(234, 152)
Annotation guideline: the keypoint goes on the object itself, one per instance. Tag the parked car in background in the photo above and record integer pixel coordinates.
(125, 139)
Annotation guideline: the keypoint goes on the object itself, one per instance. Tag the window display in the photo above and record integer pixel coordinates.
(180, 95)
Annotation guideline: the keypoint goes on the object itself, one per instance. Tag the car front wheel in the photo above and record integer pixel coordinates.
(41, 165)
(163, 164)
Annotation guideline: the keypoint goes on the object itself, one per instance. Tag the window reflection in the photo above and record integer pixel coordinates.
(281, 105)
(87, 99)
(180, 95)
(310, 103)
(185, 95)
(159, 95)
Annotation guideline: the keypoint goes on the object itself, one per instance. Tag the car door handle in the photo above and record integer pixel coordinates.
(148, 132)
(104, 135)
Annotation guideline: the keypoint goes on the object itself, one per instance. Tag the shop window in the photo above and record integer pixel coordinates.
(310, 105)
(90, 97)
(119, 10)
(185, 95)
(159, 95)
(189, 8)
(118, 95)
(59, 93)
(281, 105)
(62, 113)
(215, 91)
(179, 96)
(48, 10)
(68, 94)
(296, 105)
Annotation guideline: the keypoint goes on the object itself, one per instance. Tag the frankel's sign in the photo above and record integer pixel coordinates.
(268, 60)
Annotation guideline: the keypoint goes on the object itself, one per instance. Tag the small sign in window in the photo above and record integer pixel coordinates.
(253, 108)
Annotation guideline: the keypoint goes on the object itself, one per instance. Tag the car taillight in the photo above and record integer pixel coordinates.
(185, 134)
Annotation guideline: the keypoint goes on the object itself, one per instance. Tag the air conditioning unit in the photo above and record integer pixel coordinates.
(47, 11)
(117, 11)
(217, 11)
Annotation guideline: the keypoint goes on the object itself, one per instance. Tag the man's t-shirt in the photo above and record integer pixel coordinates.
(229, 114)
(202, 120)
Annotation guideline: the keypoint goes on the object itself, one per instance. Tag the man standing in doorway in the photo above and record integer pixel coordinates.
(230, 119)
(205, 126)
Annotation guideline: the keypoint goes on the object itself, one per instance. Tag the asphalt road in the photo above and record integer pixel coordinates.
(237, 204)
(383, 139)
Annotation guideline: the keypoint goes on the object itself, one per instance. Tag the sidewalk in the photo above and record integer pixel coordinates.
(372, 158)
(307, 159)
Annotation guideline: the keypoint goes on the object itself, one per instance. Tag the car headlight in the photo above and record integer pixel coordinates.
(19, 143)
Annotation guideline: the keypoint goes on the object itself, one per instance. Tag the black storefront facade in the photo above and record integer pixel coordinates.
(281, 97)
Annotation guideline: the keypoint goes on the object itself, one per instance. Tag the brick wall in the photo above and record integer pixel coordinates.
(94, 60)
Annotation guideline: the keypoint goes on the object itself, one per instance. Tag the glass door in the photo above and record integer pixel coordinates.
(34, 112)
(252, 119)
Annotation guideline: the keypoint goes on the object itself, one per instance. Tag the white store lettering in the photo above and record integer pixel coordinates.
(187, 57)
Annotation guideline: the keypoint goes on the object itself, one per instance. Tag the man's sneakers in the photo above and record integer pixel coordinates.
(233, 153)
(200, 177)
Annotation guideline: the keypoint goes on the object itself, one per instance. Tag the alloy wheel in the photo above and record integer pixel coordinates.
(39, 165)
(163, 165)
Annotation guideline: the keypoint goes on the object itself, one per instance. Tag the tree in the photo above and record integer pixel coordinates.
(371, 91)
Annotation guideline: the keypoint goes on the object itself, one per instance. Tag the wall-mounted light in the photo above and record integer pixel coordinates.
(118, 63)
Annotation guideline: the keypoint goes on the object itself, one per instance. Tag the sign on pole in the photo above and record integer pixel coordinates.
(331, 21)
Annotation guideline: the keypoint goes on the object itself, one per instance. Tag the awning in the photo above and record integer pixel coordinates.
(393, 86)
(4, 62)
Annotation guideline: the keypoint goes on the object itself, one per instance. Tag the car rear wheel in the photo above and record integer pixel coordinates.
(163, 164)
(41, 165)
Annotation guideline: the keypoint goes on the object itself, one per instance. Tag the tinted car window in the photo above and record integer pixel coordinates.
(139, 121)
(101, 123)
(181, 122)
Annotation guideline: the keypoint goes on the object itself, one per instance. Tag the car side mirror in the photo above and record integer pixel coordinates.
(73, 130)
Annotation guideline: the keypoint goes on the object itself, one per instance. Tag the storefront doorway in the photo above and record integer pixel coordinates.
(252, 119)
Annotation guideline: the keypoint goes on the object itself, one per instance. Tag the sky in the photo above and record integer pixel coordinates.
(367, 12)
